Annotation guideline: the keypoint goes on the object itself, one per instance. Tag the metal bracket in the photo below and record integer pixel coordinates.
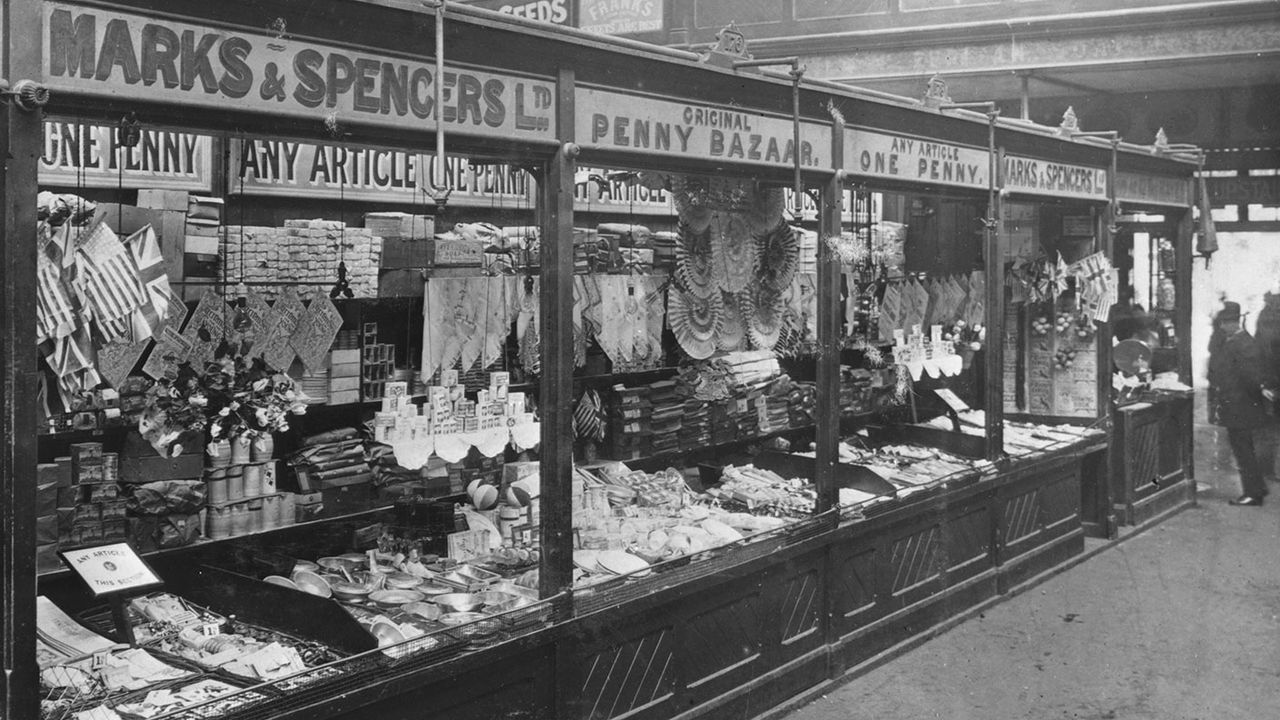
(28, 95)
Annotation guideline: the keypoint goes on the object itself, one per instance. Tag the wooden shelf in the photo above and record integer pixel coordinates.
(666, 457)
(203, 543)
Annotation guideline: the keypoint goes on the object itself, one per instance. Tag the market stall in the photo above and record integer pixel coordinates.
(588, 409)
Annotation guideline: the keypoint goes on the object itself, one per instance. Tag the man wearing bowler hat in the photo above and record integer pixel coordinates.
(1241, 390)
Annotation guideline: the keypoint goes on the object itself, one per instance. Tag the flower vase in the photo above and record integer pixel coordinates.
(241, 450)
(219, 452)
(264, 447)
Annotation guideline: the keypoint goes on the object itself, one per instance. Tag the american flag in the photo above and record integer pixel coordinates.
(108, 282)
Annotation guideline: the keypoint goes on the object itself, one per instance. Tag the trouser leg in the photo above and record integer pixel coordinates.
(1241, 440)
(1265, 440)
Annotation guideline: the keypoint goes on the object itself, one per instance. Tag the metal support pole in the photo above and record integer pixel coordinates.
(827, 436)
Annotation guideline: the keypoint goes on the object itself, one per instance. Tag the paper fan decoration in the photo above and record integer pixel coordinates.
(695, 267)
(733, 254)
(762, 311)
(766, 212)
(778, 256)
(695, 321)
(733, 333)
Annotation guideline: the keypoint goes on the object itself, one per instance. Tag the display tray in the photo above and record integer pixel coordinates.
(855, 477)
(962, 444)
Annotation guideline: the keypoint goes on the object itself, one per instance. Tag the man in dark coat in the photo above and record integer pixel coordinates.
(1240, 391)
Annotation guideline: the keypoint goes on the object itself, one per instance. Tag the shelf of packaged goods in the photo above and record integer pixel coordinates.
(204, 542)
(649, 461)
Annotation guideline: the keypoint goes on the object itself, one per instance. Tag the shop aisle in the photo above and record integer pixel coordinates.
(1177, 623)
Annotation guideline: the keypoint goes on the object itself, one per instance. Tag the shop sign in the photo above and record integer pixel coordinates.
(606, 191)
(650, 126)
(132, 57)
(1153, 189)
(809, 208)
(555, 12)
(109, 569)
(77, 154)
(1244, 190)
(898, 157)
(1042, 177)
(297, 169)
(620, 17)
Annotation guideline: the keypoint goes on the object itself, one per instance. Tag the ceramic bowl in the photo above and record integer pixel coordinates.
(305, 565)
(458, 602)
(312, 583)
(424, 610)
(395, 598)
(337, 564)
(281, 581)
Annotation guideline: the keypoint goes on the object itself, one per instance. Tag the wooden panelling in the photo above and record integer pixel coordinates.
(1021, 516)
(724, 639)
(915, 559)
(1144, 446)
(968, 542)
(801, 606)
(1060, 501)
(855, 584)
(629, 677)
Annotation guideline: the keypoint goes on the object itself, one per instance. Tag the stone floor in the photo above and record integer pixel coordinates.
(1179, 622)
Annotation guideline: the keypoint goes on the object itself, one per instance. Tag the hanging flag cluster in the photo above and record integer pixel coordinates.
(94, 294)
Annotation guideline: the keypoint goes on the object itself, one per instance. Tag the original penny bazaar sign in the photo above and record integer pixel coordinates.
(78, 154)
(614, 121)
(121, 55)
(898, 157)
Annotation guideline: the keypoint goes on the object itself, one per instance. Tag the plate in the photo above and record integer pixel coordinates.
(587, 560)
(281, 581)
(310, 582)
(619, 562)
(461, 618)
(349, 591)
(395, 598)
(403, 581)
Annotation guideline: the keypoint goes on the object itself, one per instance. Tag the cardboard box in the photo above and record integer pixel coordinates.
(46, 529)
(454, 253)
(187, 466)
(347, 499)
(405, 253)
(345, 357)
(342, 384)
(47, 559)
(46, 496)
(401, 283)
(68, 496)
(201, 244)
(126, 220)
(163, 199)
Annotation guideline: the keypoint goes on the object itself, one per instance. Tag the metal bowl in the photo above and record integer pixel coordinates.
(386, 633)
(281, 581)
(424, 610)
(403, 581)
(431, 589)
(338, 564)
(395, 598)
(458, 602)
(461, 618)
(310, 582)
(305, 565)
(350, 591)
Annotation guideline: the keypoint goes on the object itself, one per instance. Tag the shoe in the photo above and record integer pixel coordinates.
(1247, 500)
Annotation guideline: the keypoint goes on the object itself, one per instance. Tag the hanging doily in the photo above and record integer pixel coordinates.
(733, 333)
(762, 311)
(695, 267)
(733, 253)
(695, 322)
(765, 211)
(778, 255)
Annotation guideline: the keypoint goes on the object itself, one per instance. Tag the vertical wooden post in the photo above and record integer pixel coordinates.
(993, 268)
(555, 389)
(828, 371)
(20, 142)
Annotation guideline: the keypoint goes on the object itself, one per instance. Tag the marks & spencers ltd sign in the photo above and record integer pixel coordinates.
(122, 55)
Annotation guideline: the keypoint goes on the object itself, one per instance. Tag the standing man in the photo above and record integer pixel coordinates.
(1240, 392)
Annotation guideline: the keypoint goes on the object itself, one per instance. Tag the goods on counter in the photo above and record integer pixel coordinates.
(303, 253)
(764, 491)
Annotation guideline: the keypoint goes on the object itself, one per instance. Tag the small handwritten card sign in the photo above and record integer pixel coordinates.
(111, 569)
(274, 345)
(315, 333)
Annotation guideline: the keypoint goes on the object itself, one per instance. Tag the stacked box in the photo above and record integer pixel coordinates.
(344, 376)
(98, 514)
(47, 516)
(629, 428)
(696, 425)
(203, 241)
(305, 253)
(378, 367)
(665, 420)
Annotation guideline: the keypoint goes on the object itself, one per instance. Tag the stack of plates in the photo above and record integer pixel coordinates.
(315, 385)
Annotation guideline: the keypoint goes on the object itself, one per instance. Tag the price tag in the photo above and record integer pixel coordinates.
(210, 629)
(109, 569)
(742, 406)
(762, 413)
(952, 400)
(99, 660)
